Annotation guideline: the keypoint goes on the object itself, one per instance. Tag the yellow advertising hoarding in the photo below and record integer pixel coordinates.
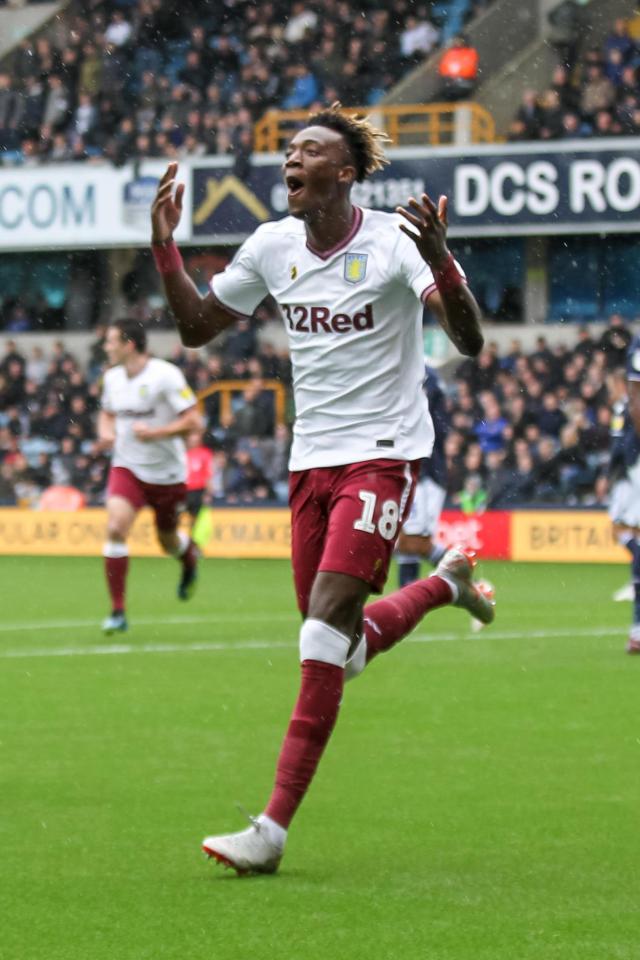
(580, 536)
(234, 533)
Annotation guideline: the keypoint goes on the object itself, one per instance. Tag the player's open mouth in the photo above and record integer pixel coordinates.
(295, 186)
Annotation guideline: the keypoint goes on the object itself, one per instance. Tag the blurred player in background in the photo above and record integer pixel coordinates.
(618, 484)
(624, 473)
(351, 285)
(147, 409)
(416, 541)
(199, 473)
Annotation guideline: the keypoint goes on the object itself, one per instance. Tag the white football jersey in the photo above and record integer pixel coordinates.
(354, 319)
(156, 396)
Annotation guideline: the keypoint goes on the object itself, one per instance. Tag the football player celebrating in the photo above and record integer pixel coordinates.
(351, 284)
(147, 409)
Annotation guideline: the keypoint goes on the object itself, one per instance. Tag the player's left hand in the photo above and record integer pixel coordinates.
(431, 223)
(144, 432)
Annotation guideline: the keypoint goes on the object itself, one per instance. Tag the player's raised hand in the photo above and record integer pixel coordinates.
(431, 223)
(166, 209)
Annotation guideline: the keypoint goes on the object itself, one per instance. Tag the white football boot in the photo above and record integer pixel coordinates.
(249, 851)
(624, 594)
(488, 590)
(457, 565)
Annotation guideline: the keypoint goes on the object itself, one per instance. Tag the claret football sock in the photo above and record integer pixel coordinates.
(187, 551)
(388, 620)
(310, 727)
(116, 566)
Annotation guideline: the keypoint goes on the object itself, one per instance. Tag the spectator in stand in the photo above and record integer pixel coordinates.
(551, 419)
(472, 499)
(458, 69)
(90, 71)
(36, 366)
(598, 92)
(119, 31)
(418, 39)
(628, 85)
(518, 484)
(275, 461)
(615, 341)
(547, 471)
(57, 104)
(252, 418)
(551, 116)
(7, 486)
(300, 24)
(10, 112)
(240, 343)
(605, 125)
(302, 88)
(246, 482)
(613, 66)
(530, 115)
(567, 93)
(619, 40)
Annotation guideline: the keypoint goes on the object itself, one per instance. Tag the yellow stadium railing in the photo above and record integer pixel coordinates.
(433, 124)
(226, 389)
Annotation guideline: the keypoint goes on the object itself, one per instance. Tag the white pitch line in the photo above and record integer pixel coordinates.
(177, 621)
(241, 646)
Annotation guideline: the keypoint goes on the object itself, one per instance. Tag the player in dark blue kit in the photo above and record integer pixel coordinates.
(625, 475)
(417, 539)
(618, 484)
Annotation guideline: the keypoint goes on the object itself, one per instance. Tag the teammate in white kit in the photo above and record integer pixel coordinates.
(147, 409)
(350, 284)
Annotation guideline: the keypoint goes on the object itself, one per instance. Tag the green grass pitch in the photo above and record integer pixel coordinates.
(480, 799)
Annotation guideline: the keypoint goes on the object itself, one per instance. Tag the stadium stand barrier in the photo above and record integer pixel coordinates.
(227, 388)
(435, 124)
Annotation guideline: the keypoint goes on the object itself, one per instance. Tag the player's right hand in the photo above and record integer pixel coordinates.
(166, 209)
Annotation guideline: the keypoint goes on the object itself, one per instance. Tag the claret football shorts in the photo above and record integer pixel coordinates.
(346, 520)
(166, 500)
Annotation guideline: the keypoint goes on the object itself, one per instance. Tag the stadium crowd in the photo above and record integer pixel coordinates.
(524, 428)
(143, 78)
(594, 91)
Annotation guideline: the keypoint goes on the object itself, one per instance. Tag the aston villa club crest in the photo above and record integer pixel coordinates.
(355, 267)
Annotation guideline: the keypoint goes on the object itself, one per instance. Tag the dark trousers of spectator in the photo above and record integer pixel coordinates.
(455, 88)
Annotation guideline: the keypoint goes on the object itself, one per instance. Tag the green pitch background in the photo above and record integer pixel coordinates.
(480, 799)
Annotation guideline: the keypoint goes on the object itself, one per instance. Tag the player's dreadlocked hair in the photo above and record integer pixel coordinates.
(365, 141)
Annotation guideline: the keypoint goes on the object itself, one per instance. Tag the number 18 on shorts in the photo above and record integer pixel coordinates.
(346, 520)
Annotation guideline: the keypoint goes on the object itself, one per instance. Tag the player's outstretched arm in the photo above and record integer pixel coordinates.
(199, 319)
(453, 303)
